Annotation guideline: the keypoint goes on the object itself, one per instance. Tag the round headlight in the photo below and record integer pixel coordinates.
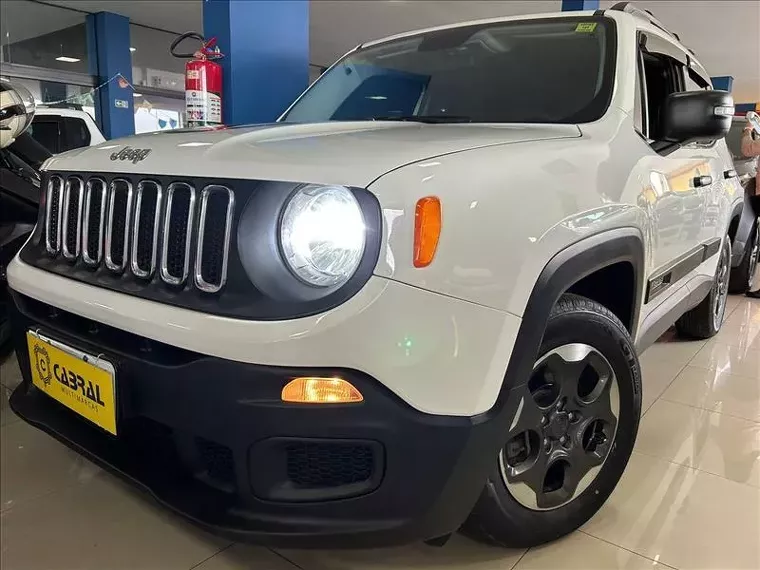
(322, 235)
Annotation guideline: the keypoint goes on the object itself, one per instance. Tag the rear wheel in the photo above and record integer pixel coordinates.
(572, 432)
(743, 275)
(705, 320)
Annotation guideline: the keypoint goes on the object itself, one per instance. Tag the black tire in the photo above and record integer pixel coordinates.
(704, 320)
(498, 517)
(742, 275)
(5, 332)
(5, 325)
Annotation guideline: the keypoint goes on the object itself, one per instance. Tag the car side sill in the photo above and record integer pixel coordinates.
(670, 310)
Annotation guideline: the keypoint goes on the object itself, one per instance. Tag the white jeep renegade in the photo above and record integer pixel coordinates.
(413, 304)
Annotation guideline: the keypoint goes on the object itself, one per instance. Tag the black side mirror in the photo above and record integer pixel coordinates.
(697, 116)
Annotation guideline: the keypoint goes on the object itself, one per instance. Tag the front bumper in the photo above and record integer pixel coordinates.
(439, 354)
(210, 439)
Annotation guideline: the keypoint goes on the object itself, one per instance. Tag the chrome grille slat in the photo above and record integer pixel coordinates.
(94, 197)
(214, 283)
(137, 244)
(117, 263)
(173, 231)
(53, 210)
(153, 229)
(68, 216)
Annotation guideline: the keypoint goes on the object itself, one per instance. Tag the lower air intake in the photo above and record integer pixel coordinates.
(318, 465)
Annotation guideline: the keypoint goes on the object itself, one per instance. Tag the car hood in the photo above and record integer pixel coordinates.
(350, 153)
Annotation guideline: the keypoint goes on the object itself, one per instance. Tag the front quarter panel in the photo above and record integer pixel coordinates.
(506, 210)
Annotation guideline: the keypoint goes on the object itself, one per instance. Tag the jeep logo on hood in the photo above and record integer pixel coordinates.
(129, 153)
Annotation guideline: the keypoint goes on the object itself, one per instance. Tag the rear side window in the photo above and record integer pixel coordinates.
(75, 133)
(45, 130)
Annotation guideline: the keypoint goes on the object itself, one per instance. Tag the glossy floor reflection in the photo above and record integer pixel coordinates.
(690, 497)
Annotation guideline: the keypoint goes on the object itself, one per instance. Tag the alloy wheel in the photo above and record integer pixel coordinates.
(564, 428)
(721, 288)
(753, 257)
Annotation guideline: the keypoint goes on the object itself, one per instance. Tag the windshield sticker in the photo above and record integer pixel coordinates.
(586, 27)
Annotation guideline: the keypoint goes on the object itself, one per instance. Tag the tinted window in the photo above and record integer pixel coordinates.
(558, 70)
(75, 133)
(45, 131)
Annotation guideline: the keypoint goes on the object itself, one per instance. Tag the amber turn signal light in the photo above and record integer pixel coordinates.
(427, 230)
(321, 391)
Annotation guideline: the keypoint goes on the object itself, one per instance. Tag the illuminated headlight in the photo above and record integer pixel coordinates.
(322, 235)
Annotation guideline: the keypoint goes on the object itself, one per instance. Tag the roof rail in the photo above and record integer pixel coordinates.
(72, 106)
(630, 8)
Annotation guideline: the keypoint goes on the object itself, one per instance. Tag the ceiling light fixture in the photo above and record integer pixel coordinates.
(132, 49)
(67, 59)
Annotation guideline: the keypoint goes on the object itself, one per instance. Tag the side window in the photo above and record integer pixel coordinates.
(663, 70)
(45, 130)
(75, 133)
(662, 77)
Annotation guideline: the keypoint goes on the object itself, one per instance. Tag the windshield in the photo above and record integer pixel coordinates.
(558, 70)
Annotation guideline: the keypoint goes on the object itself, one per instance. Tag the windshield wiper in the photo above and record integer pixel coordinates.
(430, 119)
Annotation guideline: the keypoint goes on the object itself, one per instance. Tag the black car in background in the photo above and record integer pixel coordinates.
(19, 200)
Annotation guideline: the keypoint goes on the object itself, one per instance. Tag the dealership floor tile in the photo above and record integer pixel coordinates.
(689, 499)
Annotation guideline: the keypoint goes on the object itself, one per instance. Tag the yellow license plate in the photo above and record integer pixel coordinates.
(79, 381)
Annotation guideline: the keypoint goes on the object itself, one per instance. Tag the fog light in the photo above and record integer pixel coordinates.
(321, 391)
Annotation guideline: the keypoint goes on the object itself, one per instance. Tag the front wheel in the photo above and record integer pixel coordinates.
(573, 430)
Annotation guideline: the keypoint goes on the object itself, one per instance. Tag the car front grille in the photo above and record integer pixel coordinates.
(206, 244)
(138, 227)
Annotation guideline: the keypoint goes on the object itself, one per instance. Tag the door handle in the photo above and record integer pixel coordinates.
(700, 181)
(729, 173)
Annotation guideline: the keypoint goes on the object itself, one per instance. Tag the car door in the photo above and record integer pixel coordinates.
(714, 174)
(681, 181)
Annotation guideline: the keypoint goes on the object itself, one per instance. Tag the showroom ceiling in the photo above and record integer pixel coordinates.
(723, 34)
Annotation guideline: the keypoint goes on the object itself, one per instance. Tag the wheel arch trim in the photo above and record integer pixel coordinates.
(745, 216)
(564, 269)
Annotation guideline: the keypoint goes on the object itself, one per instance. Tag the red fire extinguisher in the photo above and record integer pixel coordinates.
(203, 81)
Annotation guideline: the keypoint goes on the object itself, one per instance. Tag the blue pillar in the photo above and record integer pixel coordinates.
(266, 63)
(108, 53)
(722, 83)
(577, 5)
(742, 108)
